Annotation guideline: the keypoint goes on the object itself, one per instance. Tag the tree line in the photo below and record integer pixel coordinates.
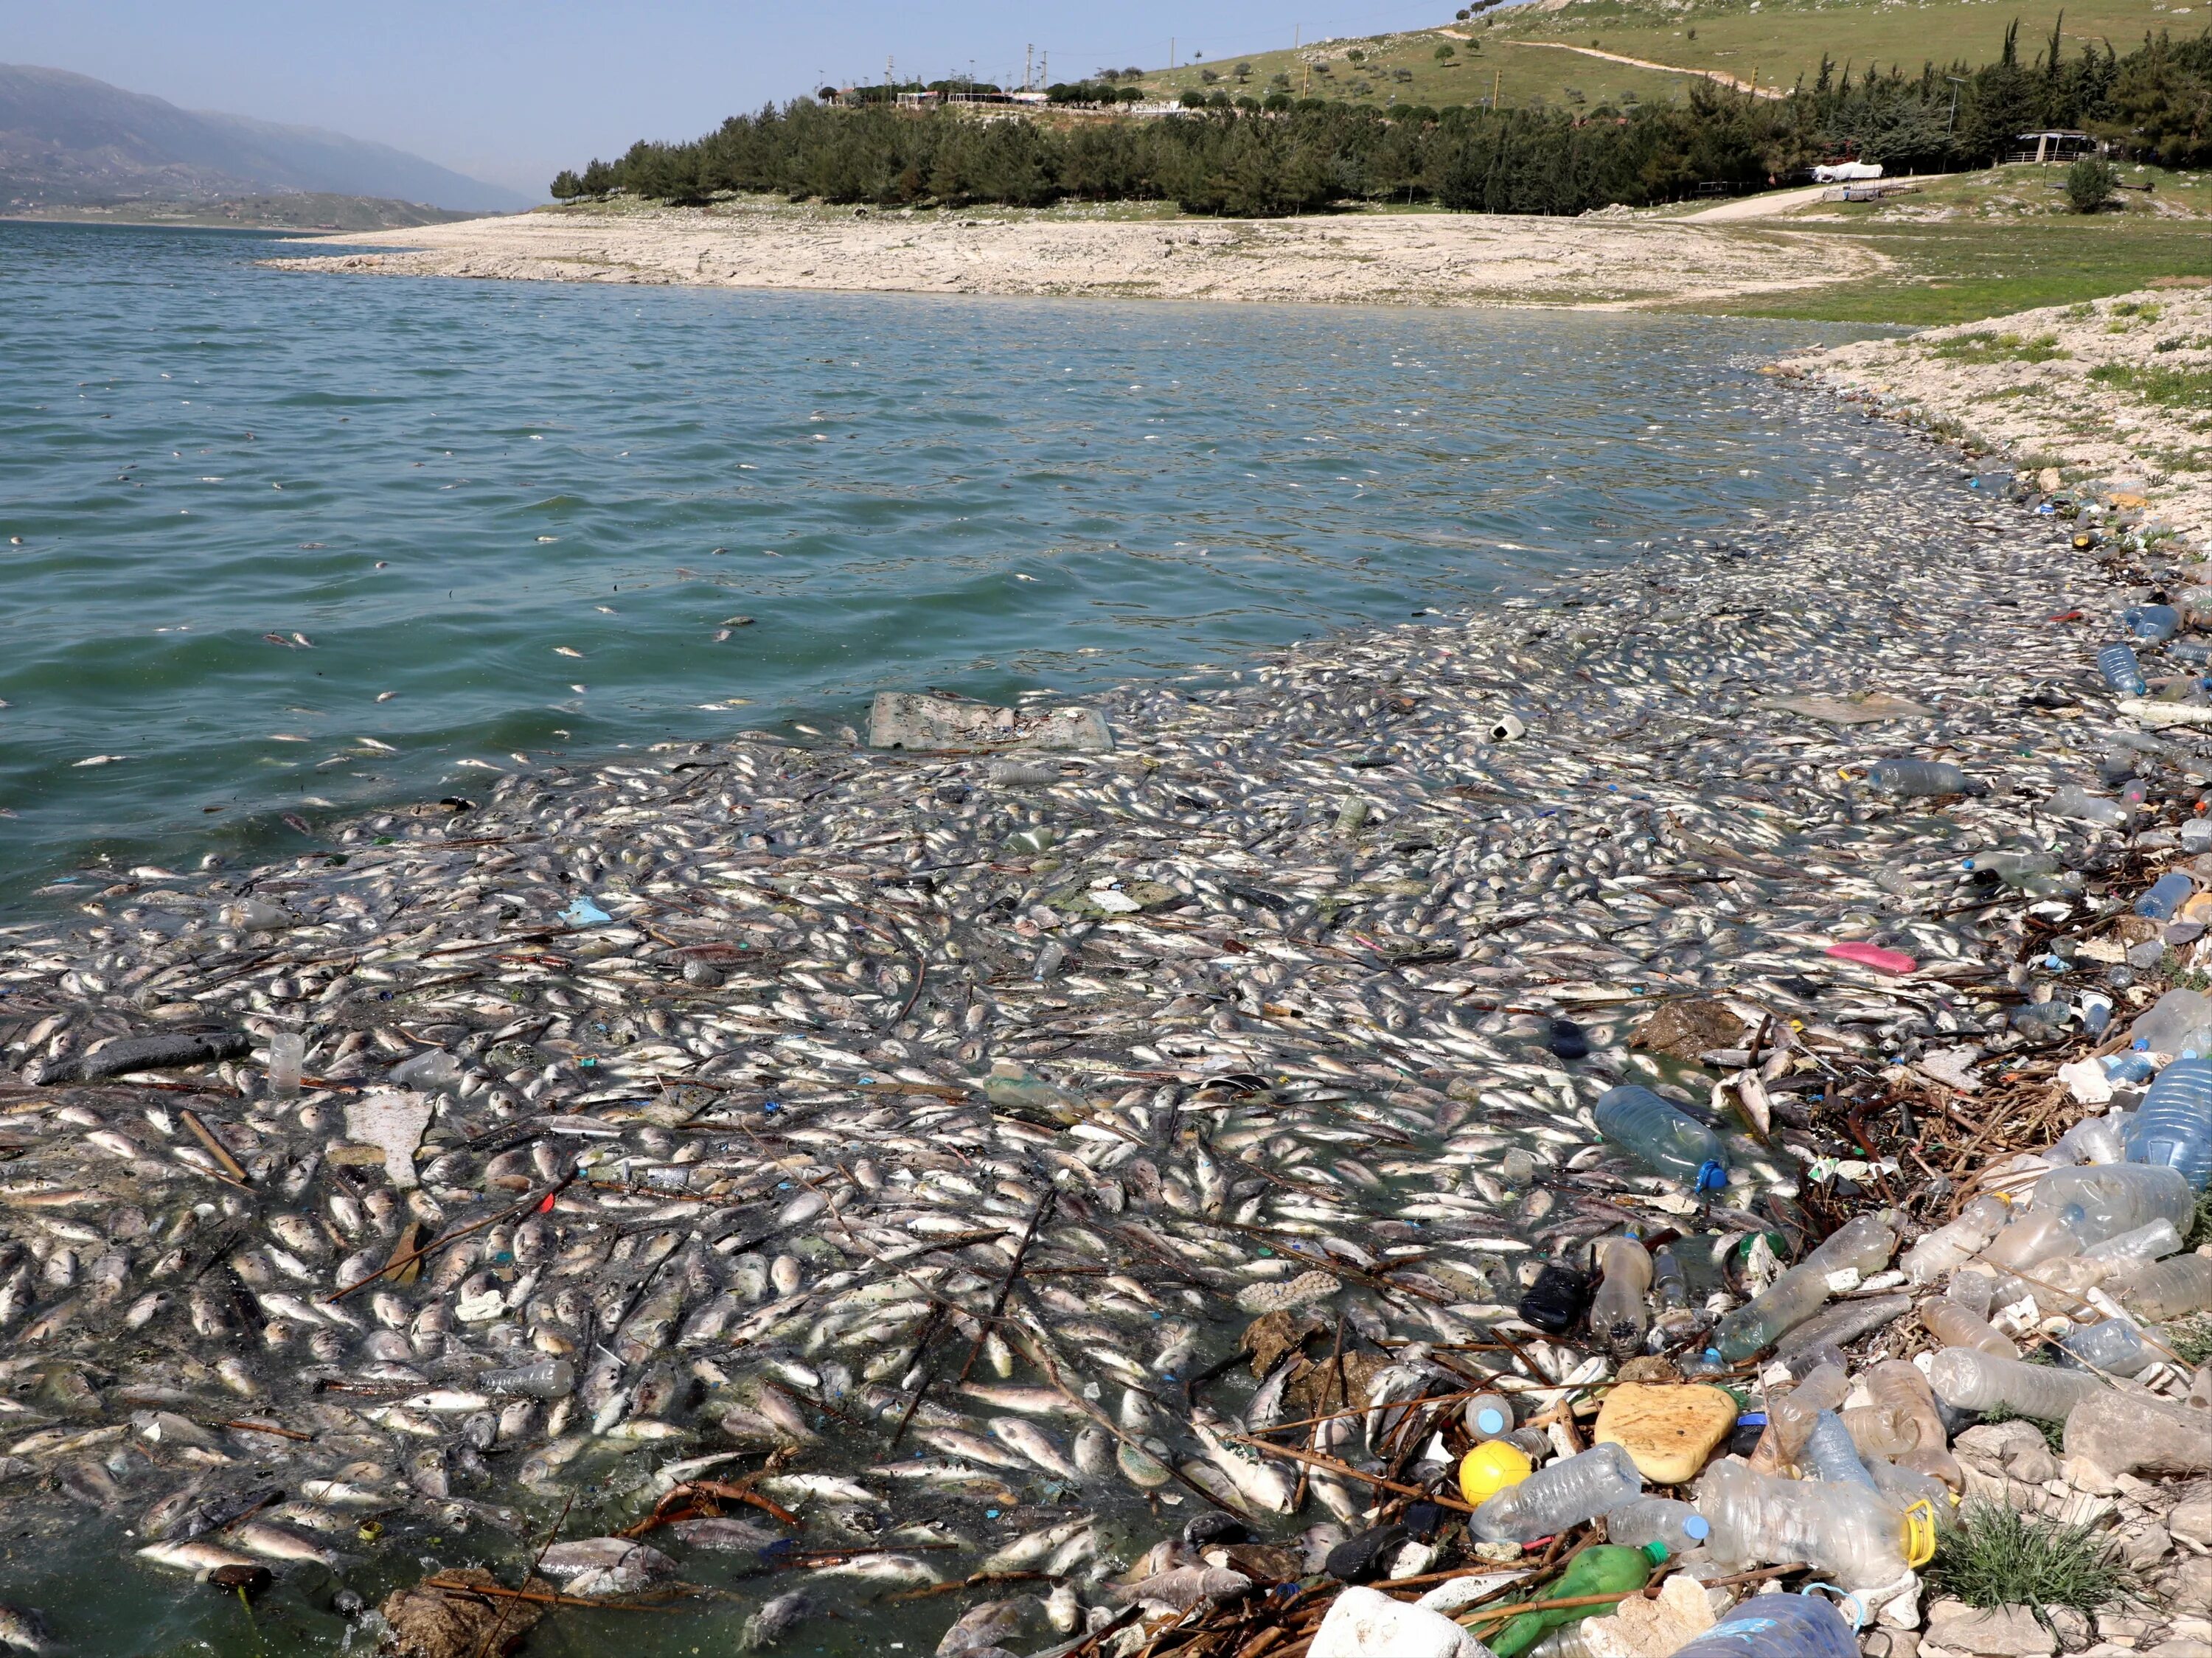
(2155, 101)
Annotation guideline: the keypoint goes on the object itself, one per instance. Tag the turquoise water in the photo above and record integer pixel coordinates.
(443, 486)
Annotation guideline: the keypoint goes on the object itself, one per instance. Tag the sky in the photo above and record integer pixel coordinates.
(512, 92)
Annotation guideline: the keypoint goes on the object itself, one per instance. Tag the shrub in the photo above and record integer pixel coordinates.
(2090, 183)
(1444, 54)
(1997, 1557)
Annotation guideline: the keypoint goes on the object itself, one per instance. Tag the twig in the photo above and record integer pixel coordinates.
(1013, 1272)
(216, 1149)
(561, 1520)
(542, 1201)
(1332, 1466)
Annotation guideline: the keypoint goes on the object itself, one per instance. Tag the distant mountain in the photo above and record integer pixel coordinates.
(68, 139)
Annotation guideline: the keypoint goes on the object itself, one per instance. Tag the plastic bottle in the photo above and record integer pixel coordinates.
(2174, 1126)
(2030, 1240)
(2121, 670)
(1879, 1432)
(1974, 1380)
(432, 1069)
(1862, 1243)
(2166, 894)
(2159, 1028)
(1569, 1641)
(2093, 1139)
(2146, 1244)
(1601, 1568)
(1678, 1147)
(1897, 1386)
(1903, 1486)
(2114, 1346)
(1657, 1520)
(1830, 1454)
(1566, 1493)
(2109, 1198)
(287, 1048)
(1617, 1315)
(2196, 834)
(2080, 805)
(2168, 1288)
(1857, 1537)
(1488, 1415)
(1974, 1287)
(2155, 622)
(1918, 777)
(542, 1378)
(1791, 1416)
(1951, 1324)
(1679, 1318)
(2014, 866)
(2126, 1068)
(1778, 1626)
(1953, 1244)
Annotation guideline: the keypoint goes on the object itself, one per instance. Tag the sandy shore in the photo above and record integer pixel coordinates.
(1425, 259)
(2090, 389)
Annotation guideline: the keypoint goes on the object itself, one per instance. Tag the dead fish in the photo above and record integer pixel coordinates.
(775, 1620)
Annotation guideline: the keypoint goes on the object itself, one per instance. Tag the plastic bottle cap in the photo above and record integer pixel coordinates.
(1697, 1527)
(1492, 1467)
(1655, 1553)
(1711, 1176)
(1490, 1420)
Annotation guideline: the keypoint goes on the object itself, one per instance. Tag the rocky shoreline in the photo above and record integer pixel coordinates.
(826, 1176)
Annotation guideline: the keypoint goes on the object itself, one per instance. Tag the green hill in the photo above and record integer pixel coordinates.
(1548, 50)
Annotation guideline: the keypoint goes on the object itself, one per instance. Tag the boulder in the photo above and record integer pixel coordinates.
(2191, 1520)
(1668, 1430)
(1990, 1631)
(1363, 1623)
(1652, 1629)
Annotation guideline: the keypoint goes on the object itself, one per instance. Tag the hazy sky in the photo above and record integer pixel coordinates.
(510, 92)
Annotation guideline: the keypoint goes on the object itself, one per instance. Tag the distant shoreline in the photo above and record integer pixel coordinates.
(1599, 261)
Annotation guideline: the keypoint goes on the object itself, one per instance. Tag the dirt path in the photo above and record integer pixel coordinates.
(1721, 77)
(1762, 206)
(1607, 262)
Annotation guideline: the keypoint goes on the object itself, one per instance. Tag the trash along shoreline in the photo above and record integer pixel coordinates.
(1657, 1119)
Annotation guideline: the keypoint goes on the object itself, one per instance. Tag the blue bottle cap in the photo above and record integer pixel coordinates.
(1711, 1176)
(1490, 1420)
(1696, 1526)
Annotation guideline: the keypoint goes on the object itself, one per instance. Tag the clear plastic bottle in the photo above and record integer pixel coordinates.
(1863, 1244)
(2166, 894)
(1774, 1626)
(2174, 1126)
(1918, 777)
(1791, 1416)
(2159, 1028)
(2168, 1288)
(1488, 1415)
(2014, 865)
(1657, 1520)
(2030, 1241)
(1563, 1494)
(2106, 1200)
(1950, 1323)
(2155, 622)
(1639, 1121)
(1617, 1314)
(1830, 1454)
(2093, 1139)
(1970, 1380)
(542, 1378)
(286, 1050)
(2145, 1243)
(2085, 807)
(1879, 1432)
(2114, 1346)
(1857, 1537)
(1680, 1317)
(1955, 1242)
(2121, 670)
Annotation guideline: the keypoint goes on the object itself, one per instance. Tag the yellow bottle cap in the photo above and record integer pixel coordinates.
(1919, 1538)
(1490, 1467)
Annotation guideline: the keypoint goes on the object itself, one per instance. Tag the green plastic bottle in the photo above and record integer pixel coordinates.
(1601, 1568)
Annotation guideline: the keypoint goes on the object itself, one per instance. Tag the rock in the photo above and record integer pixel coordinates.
(903, 720)
(2126, 1628)
(1363, 1623)
(2033, 1463)
(1995, 1446)
(1685, 1028)
(2085, 1476)
(2187, 1588)
(428, 1622)
(2142, 1545)
(1893, 1643)
(2180, 1650)
(163, 1052)
(2069, 1626)
(1667, 1431)
(1993, 1632)
(2132, 1433)
(1651, 1629)
(2191, 1520)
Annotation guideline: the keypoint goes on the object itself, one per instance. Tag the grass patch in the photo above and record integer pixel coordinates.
(1984, 346)
(1997, 1557)
(2191, 1339)
(2172, 388)
(2199, 1229)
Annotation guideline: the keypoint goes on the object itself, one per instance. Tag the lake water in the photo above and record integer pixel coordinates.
(276, 543)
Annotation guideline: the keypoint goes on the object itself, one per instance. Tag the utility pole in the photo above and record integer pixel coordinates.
(1956, 83)
(1496, 80)
(1171, 51)
(1029, 60)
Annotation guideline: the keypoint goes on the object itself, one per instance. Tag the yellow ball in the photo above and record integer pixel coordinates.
(1490, 1467)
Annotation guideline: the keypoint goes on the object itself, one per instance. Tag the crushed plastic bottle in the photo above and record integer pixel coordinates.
(2015, 866)
(542, 1378)
(1954, 1325)
(2166, 895)
(1912, 778)
(1970, 1380)
(1831, 1454)
(1601, 1568)
(2146, 1244)
(1778, 1626)
(2109, 1198)
(2168, 1288)
(1952, 1245)
(2114, 1346)
(2155, 622)
(1617, 1315)
(1857, 1537)
(2174, 1126)
(2032, 1239)
(1563, 1494)
(1657, 1520)
(431, 1070)
(2093, 1139)
(1791, 1416)
(1862, 1244)
(1678, 1147)
(2121, 670)
(2085, 807)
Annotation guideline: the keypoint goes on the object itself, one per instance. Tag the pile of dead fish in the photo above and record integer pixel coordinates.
(816, 1178)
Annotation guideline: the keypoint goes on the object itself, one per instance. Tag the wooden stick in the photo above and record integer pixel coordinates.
(1332, 1466)
(216, 1148)
(1013, 1273)
(542, 1201)
(494, 1592)
(264, 1427)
